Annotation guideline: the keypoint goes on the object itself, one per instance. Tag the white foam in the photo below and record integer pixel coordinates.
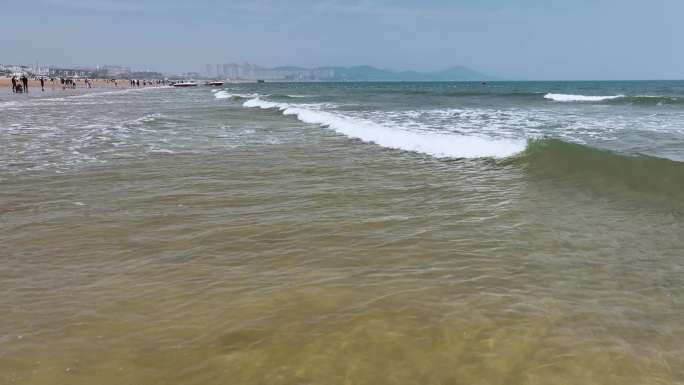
(580, 98)
(443, 145)
(8, 104)
(222, 95)
(162, 151)
(227, 95)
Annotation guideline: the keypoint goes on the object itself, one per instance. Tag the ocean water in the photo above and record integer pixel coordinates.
(344, 233)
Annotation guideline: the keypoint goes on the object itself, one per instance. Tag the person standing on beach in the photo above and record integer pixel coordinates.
(14, 84)
(24, 81)
(42, 84)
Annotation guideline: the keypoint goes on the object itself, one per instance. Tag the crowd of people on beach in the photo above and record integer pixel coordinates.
(21, 84)
(136, 82)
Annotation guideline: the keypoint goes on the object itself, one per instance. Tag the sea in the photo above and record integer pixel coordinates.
(344, 233)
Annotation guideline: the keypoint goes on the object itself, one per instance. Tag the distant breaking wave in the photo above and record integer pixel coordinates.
(442, 145)
(580, 98)
(555, 97)
(226, 95)
(618, 99)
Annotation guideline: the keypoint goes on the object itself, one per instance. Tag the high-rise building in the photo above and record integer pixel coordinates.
(209, 70)
(231, 70)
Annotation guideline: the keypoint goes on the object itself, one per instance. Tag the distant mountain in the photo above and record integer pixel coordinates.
(368, 73)
(361, 73)
(460, 73)
(356, 73)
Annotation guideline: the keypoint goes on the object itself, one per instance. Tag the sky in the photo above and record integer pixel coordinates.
(511, 39)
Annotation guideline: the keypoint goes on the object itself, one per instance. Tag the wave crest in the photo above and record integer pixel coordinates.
(226, 95)
(580, 98)
(602, 169)
(442, 145)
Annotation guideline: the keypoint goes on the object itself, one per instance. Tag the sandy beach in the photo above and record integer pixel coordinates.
(56, 88)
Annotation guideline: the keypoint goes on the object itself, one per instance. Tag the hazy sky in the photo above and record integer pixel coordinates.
(517, 39)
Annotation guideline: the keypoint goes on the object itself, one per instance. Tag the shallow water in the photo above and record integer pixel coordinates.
(172, 237)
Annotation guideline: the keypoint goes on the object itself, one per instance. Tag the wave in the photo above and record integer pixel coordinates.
(618, 99)
(8, 104)
(290, 96)
(441, 145)
(580, 98)
(556, 159)
(222, 95)
(602, 168)
(531, 96)
(226, 95)
(654, 100)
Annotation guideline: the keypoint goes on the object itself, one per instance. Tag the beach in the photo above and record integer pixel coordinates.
(55, 88)
(343, 233)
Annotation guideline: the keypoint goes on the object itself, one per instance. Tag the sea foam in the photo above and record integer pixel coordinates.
(442, 145)
(580, 98)
(227, 95)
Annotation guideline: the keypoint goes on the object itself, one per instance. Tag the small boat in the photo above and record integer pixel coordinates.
(185, 84)
(216, 83)
(261, 81)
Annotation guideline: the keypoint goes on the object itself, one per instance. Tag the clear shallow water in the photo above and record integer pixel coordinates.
(173, 236)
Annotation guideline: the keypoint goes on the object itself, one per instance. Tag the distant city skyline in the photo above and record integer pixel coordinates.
(526, 39)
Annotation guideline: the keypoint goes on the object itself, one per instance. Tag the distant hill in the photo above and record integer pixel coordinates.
(356, 73)
(460, 73)
(368, 73)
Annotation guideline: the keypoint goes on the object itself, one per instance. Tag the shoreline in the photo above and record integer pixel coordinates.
(56, 87)
(98, 85)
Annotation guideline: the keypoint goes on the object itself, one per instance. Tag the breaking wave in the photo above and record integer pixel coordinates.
(617, 99)
(227, 95)
(555, 158)
(580, 98)
(443, 145)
